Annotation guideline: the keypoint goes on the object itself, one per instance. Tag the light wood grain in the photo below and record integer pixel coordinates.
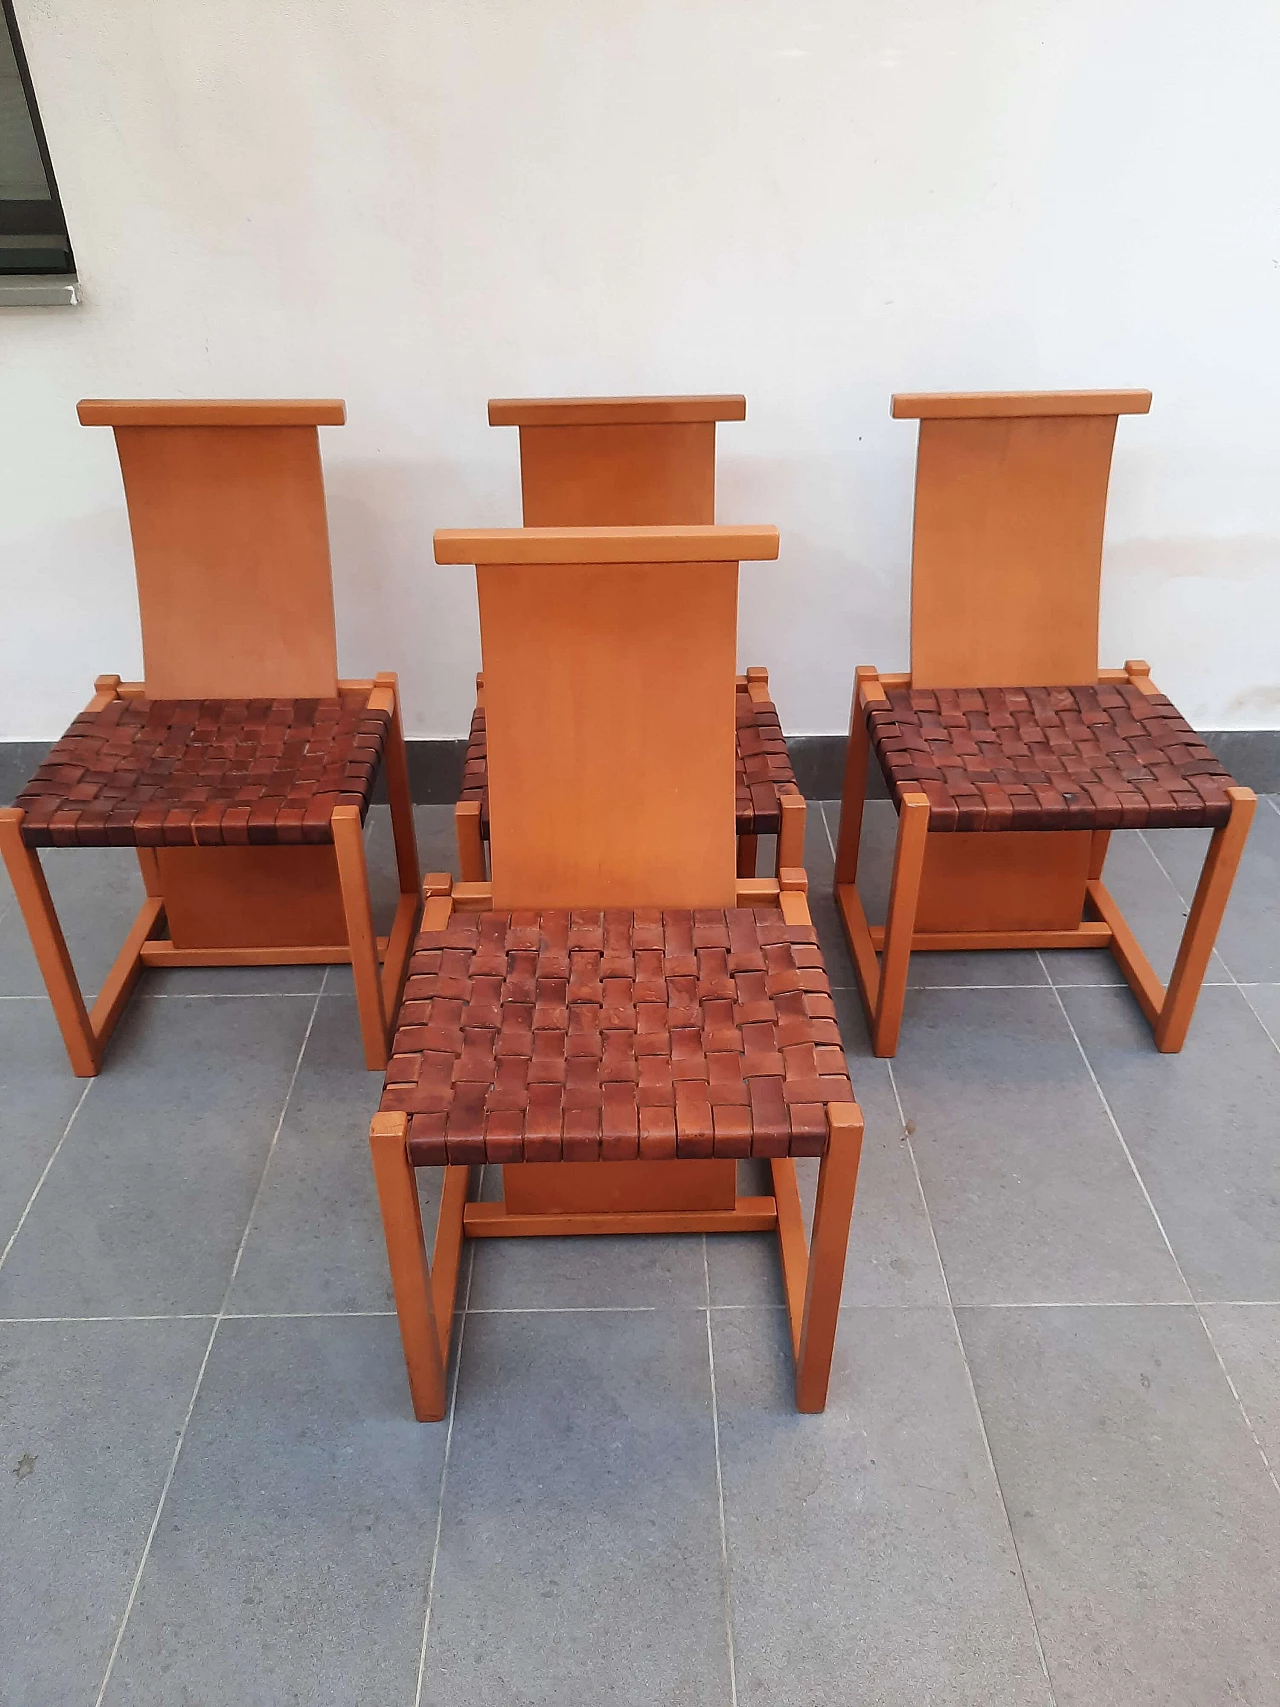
(634, 545)
(613, 411)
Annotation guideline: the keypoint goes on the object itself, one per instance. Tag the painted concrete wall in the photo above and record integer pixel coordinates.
(420, 203)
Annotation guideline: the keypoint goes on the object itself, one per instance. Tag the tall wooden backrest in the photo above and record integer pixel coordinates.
(617, 461)
(1011, 496)
(609, 659)
(231, 545)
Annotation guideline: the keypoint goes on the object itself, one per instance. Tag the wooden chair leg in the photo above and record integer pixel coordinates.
(466, 824)
(792, 814)
(49, 944)
(900, 922)
(353, 877)
(399, 794)
(748, 848)
(837, 1182)
(1212, 894)
(410, 1272)
(854, 794)
(1099, 842)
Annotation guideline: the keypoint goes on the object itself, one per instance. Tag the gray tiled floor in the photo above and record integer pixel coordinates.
(1044, 1478)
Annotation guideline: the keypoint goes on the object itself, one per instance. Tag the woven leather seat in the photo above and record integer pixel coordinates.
(170, 773)
(1063, 758)
(763, 766)
(591, 1036)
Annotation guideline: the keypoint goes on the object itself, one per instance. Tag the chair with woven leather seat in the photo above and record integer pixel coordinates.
(637, 462)
(1010, 756)
(618, 1017)
(240, 768)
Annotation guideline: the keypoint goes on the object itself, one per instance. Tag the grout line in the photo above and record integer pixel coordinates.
(53, 1321)
(444, 1473)
(724, 1538)
(1142, 1186)
(208, 1350)
(44, 1172)
(1222, 957)
(973, 1390)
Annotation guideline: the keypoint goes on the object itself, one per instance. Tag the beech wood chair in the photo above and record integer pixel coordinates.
(617, 1017)
(240, 768)
(1009, 754)
(637, 462)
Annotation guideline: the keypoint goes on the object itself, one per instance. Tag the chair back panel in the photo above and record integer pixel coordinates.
(618, 476)
(1007, 548)
(609, 704)
(231, 546)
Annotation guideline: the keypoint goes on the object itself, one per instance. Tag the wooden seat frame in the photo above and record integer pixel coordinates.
(658, 606)
(1011, 495)
(226, 506)
(621, 462)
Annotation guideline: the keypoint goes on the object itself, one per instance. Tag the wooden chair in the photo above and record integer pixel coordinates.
(637, 462)
(617, 1017)
(241, 767)
(1009, 755)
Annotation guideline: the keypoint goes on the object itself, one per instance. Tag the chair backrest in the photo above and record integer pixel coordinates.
(617, 461)
(609, 659)
(230, 544)
(1006, 563)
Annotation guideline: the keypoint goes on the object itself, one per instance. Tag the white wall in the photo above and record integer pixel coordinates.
(416, 204)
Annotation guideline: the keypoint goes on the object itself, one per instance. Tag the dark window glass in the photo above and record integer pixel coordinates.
(33, 235)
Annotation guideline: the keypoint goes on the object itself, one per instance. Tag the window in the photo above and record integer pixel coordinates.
(33, 234)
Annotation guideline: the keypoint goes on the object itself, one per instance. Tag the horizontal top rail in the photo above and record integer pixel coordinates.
(212, 412)
(689, 544)
(612, 411)
(974, 405)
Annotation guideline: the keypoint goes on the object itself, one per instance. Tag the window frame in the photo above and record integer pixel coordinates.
(33, 218)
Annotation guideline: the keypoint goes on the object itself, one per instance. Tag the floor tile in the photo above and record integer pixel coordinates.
(1148, 1528)
(97, 893)
(1030, 1194)
(1247, 1339)
(316, 1241)
(89, 1417)
(580, 1550)
(869, 1554)
(146, 1203)
(892, 1258)
(1264, 999)
(1153, 907)
(645, 1272)
(1202, 1128)
(940, 970)
(38, 1095)
(292, 1556)
(1249, 940)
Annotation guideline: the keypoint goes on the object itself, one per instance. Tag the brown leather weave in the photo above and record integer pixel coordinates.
(1074, 758)
(763, 767)
(210, 773)
(586, 1036)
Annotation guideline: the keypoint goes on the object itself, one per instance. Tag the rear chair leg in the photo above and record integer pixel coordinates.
(837, 1182)
(410, 1272)
(466, 824)
(49, 944)
(1212, 894)
(353, 876)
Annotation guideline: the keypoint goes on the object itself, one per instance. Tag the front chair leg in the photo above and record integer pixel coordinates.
(1212, 894)
(49, 944)
(900, 922)
(837, 1182)
(397, 1185)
